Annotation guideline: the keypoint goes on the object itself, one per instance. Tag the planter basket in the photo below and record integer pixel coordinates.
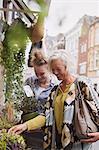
(37, 31)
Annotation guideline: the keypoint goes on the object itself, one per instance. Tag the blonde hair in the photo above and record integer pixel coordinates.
(61, 54)
(38, 57)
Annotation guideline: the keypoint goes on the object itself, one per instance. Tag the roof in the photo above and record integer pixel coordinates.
(89, 19)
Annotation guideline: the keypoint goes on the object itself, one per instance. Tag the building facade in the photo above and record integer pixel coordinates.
(83, 47)
(72, 39)
(75, 40)
(52, 43)
(93, 52)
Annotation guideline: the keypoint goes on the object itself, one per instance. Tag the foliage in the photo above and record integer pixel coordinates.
(29, 108)
(13, 57)
(11, 142)
(7, 118)
(4, 123)
(29, 104)
(44, 10)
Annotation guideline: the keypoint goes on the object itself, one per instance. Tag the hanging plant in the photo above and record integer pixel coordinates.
(37, 30)
(13, 59)
(44, 9)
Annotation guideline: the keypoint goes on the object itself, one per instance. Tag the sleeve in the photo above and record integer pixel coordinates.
(36, 123)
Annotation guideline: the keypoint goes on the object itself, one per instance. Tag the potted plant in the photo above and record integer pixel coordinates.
(10, 141)
(29, 108)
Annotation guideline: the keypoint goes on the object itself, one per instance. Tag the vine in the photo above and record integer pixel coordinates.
(13, 59)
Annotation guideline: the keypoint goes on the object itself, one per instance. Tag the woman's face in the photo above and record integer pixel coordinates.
(59, 69)
(41, 73)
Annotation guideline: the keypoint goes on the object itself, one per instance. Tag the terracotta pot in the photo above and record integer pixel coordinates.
(37, 31)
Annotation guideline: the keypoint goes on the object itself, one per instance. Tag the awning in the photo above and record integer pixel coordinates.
(22, 6)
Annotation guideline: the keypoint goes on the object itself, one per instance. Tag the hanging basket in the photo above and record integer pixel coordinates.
(37, 31)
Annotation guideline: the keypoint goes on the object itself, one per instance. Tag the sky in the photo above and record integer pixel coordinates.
(64, 14)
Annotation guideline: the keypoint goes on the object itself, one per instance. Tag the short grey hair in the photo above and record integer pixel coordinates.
(63, 55)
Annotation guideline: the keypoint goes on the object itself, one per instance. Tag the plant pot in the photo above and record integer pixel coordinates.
(37, 32)
(29, 116)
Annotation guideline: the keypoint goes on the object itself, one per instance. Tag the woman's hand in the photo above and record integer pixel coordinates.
(93, 137)
(18, 129)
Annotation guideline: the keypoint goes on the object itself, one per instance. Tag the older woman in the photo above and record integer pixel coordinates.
(59, 113)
